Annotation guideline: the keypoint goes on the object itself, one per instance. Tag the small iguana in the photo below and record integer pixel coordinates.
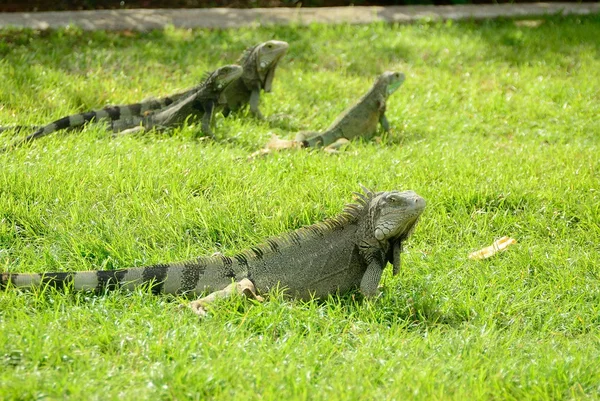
(361, 119)
(346, 252)
(151, 112)
(259, 64)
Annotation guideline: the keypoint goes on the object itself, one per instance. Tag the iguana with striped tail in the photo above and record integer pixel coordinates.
(343, 253)
(202, 100)
(259, 63)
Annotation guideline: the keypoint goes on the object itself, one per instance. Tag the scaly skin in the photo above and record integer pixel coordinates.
(361, 119)
(259, 64)
(150, 112)
(337, 255)
(201, 103)
(109, 113)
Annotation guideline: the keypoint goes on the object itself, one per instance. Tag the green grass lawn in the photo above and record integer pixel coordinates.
(497, 126)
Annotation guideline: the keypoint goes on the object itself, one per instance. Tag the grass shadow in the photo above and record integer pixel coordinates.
(519, 42)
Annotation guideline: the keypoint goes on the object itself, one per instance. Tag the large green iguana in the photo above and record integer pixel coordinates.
(202, 100)
(361, 119)
(259, 64)
(339, 254)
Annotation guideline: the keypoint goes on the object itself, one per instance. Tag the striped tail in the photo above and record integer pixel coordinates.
(193, 276)
(72, 121)
(94, 280)
(111, 113)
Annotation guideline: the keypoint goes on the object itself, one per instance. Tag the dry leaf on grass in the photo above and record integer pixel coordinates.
(489, 251)
(275, 144)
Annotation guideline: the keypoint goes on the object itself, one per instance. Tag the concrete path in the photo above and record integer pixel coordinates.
(144, 19)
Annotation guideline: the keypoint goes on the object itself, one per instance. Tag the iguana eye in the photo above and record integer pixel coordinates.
(396, 200)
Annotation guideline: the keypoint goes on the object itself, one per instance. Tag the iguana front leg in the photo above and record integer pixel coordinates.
(382, 118)
(376, 261)
(209, 108)
(254, 101)
(243, 287)
(371, 278)
(384, 123)
(396, 251)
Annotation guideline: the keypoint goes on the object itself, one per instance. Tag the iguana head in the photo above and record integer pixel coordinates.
(262, 60)
(394, 214)
(223, 76)
(391, 81)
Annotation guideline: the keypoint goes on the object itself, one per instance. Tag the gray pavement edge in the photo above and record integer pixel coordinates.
(148, 19)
